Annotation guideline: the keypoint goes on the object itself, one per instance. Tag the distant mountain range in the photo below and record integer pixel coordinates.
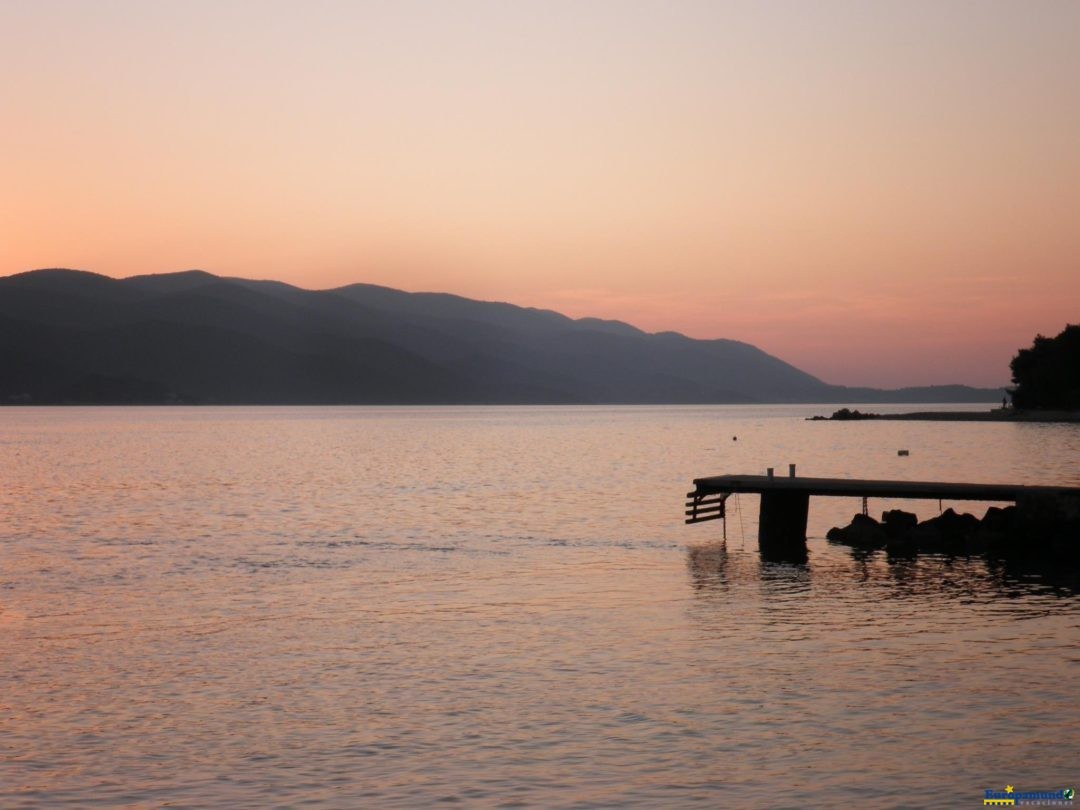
(68, 336)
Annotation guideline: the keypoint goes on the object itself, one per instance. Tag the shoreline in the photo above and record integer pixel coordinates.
(995, 415)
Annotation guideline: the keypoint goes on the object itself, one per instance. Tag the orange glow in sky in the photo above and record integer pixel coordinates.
(880, 193)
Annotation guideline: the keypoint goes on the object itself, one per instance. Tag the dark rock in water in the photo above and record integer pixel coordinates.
(958, 524)
(897, 521)
(997, 531)
(949, 531)
(1049, 523)
(862, 532)
(1041, 525)
(997, 519)
(898, 526)
(927, 536)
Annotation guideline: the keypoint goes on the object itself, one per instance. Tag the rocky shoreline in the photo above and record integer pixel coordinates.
(1039, 525)
(995, 415)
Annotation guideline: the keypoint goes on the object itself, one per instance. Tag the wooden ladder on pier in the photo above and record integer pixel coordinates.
(705, 506)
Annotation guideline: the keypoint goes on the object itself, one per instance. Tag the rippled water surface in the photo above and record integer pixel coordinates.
(254, 607)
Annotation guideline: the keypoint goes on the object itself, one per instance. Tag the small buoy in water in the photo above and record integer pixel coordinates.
(902, 453)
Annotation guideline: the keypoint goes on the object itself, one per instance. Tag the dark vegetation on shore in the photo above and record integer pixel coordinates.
(70, 337)
(1047, 376)
(846, 415)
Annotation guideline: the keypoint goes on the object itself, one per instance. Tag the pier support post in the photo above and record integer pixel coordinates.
(782, 524)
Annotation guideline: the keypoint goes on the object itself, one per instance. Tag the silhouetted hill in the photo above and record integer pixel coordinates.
(71, 336)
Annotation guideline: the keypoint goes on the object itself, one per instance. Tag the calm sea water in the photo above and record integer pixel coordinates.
(350, 607)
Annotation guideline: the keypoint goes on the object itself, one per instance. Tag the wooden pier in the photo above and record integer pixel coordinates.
(785, 501)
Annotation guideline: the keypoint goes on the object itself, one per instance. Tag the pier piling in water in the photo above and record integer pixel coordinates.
(782, 522)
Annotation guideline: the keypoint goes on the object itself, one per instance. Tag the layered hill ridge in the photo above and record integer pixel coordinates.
(73, 336)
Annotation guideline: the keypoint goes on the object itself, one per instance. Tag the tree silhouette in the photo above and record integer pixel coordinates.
(1048, 374)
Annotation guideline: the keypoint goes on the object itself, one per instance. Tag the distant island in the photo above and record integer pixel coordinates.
(72, 337)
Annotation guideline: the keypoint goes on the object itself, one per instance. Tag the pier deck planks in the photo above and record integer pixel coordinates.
(869, 488)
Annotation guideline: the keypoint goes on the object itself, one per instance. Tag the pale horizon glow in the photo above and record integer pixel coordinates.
(879, 194)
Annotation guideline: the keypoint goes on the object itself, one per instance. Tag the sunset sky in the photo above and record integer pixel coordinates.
(881, 194)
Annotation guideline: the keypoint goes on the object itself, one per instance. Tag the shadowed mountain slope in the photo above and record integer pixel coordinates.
(71, 336)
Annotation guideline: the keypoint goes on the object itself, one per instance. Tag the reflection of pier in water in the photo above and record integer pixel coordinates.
(717, 571)
(785, 502)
